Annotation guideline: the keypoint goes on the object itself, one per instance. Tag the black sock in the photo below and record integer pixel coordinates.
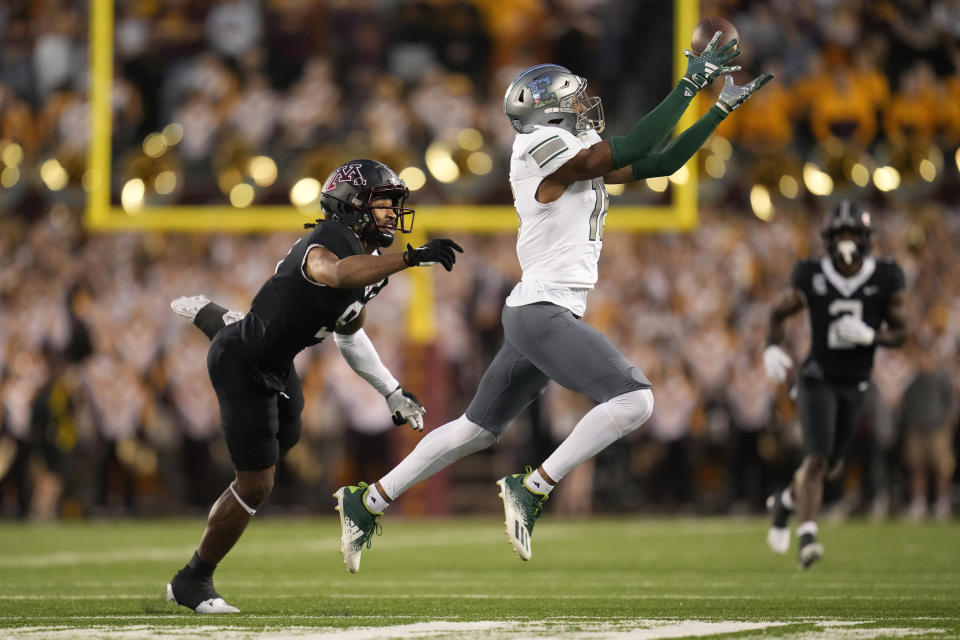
(199, 568)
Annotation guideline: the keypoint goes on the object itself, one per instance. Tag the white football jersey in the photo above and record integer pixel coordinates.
(558, 243)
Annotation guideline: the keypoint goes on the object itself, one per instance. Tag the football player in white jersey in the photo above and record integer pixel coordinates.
(557, 171)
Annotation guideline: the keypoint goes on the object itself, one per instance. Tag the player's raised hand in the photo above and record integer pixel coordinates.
(776, 363)
(405, 407)
(437, 250)
(711, 63)
(732, 96)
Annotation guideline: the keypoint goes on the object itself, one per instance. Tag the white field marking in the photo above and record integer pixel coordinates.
(627, 629)
(846, 633)
(631, 630)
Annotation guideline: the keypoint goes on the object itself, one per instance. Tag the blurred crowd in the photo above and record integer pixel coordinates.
(202, 88)
(105, 405)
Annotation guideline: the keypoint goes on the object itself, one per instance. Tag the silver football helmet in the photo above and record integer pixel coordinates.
(552, 96)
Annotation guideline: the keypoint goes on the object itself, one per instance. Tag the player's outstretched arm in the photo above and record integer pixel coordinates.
(324, 267)
(650, 131)
(357, 349)
(684, 146)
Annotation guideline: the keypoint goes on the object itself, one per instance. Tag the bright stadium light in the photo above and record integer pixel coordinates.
(927, 170)
(817, 182)
(12, 155)
(414, 177)
(470, 139)
(615, 189)
(172, 133)
(680, 176)
(154, 145)
(305, 191)
(165, 182)
(131, 197)
(479, 163)
(722, 147)
(715, 166)
(659, 184)
(54, 175)
(241, 195)
(9, 177)
(860, 175)
(440, 163)
(886, 178)
(263, 170)
(760, 202)
(789, 187)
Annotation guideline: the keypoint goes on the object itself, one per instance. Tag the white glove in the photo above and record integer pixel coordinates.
(852, 329)
(405, 407)
(776, 362)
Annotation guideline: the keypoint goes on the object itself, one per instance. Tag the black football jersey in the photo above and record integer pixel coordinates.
(829, 296)
(291, 312)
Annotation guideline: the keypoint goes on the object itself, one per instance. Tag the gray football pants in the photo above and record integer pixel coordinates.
(543, 342)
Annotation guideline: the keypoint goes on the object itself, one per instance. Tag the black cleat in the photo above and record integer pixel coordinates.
(197, 594)
(810, 551)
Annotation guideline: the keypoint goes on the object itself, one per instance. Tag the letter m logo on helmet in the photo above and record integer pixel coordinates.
(349, 173)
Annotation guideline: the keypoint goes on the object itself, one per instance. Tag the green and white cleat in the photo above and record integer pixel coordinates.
(357, 524)
(521, 507)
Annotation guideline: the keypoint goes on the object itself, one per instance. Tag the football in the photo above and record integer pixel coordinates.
(709, 26)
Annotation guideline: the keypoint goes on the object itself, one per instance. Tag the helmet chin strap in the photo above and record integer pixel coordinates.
(848, 250)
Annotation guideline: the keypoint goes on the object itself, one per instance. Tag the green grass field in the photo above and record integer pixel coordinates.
(624, 578)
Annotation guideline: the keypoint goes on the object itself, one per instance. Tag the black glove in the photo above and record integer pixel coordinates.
(437, 250)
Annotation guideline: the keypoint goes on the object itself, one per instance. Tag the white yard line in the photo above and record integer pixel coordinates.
(570, 628)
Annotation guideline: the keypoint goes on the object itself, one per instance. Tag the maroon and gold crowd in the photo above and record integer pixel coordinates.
(105, 405)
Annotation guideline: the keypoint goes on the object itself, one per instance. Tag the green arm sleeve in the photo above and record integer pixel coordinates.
(680, 149)
(652, 129)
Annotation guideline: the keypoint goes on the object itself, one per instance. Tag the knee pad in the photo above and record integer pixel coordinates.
(630, 410)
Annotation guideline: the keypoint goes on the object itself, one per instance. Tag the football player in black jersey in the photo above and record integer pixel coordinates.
(320, 287)
(855, 304)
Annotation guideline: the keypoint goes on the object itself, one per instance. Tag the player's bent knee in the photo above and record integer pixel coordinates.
(253, 487)
(630, 410)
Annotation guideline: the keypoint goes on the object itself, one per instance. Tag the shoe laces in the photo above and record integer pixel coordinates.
(377, 528)
(538, 507)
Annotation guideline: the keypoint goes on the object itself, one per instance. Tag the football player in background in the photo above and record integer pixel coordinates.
(558, 168)
(855, 304)
(320, 287)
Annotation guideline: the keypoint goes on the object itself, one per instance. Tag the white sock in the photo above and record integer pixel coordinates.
(375, 502)
(441, 447)
(807, 527)
(603, 425)
(537, 483)
(787, 499)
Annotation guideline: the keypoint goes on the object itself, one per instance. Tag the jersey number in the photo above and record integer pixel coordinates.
(599, 215)
(349, 314)
(838, 309)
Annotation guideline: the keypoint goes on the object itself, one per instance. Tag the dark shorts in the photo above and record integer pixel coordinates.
(829, 412)
(544, 342)
(258, 422)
